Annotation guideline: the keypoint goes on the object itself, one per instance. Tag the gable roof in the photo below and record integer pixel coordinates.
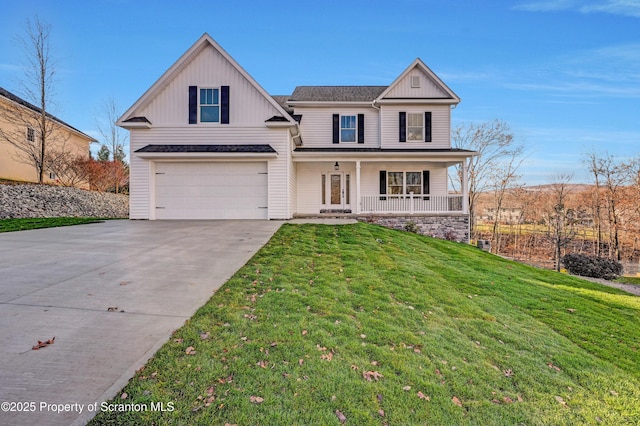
(18, 100)
(417, 63)
(204, 41)
(336, 93)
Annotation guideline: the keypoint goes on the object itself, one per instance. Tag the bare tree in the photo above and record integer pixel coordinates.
(34, 129)
(502, 180)
(591, 161)
(559, 214)
(113, 138)
(497, 153)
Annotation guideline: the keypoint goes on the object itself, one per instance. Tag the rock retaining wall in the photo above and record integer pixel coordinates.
(447, 227)
(24, 201)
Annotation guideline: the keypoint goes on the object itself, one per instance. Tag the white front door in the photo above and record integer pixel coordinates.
(338, 190)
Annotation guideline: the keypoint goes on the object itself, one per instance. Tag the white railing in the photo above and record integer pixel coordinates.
(385, 203)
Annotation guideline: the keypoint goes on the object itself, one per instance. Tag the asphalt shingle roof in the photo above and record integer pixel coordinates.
(336, 93)
(260, 149)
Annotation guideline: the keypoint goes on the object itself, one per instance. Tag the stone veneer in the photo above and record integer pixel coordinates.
(30, 200)
(454, 227)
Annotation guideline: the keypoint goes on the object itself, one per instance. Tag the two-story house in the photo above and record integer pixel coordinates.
(19, 124)
(208, 142)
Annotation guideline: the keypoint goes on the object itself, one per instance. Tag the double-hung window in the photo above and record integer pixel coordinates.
(415, 127)
(31, 134)
(209, 105)
(403, 183)
(348, 128)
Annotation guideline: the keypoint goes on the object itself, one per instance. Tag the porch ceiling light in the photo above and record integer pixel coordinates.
(336, 166)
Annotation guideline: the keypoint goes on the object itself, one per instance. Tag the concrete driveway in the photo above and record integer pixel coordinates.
(111, 294)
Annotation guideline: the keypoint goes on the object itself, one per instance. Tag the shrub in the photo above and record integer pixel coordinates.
(411, 226)
(587, 266)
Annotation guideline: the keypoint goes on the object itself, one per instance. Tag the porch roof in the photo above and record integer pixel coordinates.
(454, 155)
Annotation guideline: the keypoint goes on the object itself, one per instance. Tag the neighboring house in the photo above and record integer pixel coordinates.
(208, 142)
(12, 163)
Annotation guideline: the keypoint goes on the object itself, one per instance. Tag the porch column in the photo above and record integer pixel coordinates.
(465, 187)
(357, 209)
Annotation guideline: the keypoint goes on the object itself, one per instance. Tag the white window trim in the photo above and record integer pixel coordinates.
(355, 139)
(200, 105)
(404, 182)
(421, 139)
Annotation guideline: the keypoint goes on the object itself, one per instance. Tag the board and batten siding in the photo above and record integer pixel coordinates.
(247, 106)
(440, 126)
(142, 179)
(317, 127)
(427, 89)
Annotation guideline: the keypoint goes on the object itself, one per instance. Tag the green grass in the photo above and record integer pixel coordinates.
(319, 306)
(628, 280)
(9, 225)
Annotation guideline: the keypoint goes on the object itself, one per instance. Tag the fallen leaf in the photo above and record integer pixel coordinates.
(553, 366)
(321, 348)
(42, 344)
(363, 336)
(381, 413)
(571, 310)
(354, 367)
(190, 350)
(423, 396)
(507, 400)
(406, 388)
(561, 401)
(372, 375)
(508, 372)
(300, 362)
(124, 395)
(456, 401)
(328, 356)
(614, 393)
(204, 336)
(256, 399)
(341, 417)
(263, 364)
(304, 332)
(379, 398)
(178, 340)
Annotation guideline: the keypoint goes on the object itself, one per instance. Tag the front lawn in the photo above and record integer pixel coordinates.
(9, 225)
(364, 325)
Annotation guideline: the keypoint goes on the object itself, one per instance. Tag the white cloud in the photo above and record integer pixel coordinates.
(629, 8)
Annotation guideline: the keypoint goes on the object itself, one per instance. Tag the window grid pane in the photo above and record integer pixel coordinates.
(348, 128)
(415, 126)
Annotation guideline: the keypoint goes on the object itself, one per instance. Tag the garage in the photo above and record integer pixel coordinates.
(211, 190)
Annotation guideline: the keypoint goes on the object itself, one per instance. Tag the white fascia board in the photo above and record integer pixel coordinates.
(329, 103)
(414, 101)
(302, 157)
(282, 124)
(133, 125)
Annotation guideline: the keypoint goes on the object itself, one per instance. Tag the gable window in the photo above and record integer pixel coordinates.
(348, 128)
(209, 105)
(31, 134)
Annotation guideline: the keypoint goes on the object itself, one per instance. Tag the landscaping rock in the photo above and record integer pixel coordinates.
(29, 200)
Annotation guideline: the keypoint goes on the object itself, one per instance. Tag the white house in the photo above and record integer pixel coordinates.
(208, 142)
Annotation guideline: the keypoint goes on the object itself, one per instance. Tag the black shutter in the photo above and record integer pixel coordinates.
(383, 183)
(224, 104)
(425, 183)
(193, 104)
(403, 126)
(427, 126)
(360, 128)
(336, 128)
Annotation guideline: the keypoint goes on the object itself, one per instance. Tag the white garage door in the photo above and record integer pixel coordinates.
(211, 190)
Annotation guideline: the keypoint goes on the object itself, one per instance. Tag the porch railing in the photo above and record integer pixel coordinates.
(409, 204)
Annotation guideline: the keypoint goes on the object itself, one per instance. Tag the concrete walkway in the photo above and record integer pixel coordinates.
(111, 294)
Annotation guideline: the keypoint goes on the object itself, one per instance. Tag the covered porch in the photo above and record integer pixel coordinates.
(368, 182)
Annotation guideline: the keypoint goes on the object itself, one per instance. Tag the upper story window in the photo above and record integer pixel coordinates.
(348, 128)
(415, 127)
(209, 105)
(31, 134)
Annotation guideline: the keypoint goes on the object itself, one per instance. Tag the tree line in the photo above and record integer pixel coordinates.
(542, 223)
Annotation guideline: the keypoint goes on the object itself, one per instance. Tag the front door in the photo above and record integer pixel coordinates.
(338, 190)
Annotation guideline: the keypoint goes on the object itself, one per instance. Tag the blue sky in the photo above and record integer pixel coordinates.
(565, 74)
